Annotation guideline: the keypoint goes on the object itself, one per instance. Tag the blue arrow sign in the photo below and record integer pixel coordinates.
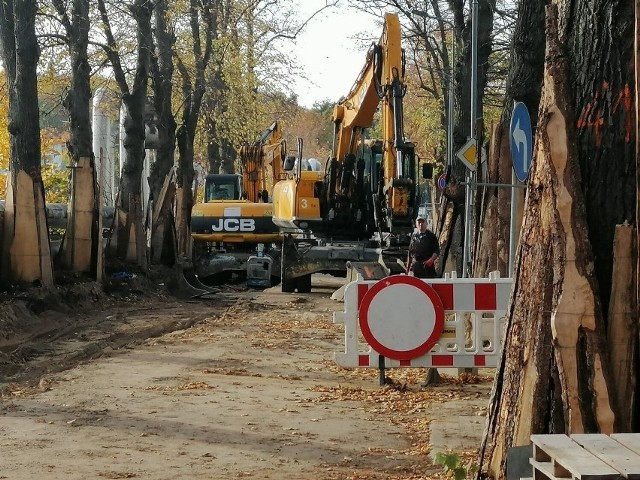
(521, 140)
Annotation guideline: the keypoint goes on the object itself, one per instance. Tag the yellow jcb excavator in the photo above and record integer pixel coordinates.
(361, 208)
(232, 229)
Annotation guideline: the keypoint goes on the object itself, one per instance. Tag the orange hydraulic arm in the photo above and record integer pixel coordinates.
(261, 164)
(380, 84)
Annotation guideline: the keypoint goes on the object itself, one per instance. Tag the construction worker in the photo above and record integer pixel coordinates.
(423, 251)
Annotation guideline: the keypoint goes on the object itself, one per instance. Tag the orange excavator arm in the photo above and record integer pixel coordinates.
(261, 164)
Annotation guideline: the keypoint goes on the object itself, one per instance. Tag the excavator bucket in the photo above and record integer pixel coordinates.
(361, 271)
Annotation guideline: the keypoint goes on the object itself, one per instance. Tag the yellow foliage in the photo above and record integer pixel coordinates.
(55, 172)
(55, 175)
(4, 135)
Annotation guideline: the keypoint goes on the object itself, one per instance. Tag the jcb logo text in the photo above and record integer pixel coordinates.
(234, 225)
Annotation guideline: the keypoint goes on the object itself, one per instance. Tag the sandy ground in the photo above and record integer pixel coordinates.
(241, 384)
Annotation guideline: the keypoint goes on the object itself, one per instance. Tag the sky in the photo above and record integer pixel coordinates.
(331, 58)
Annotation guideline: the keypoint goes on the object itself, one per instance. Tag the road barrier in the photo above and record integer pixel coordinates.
(403, 321)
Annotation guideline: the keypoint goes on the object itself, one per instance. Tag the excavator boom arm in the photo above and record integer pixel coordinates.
(381, 80)
(262, 163)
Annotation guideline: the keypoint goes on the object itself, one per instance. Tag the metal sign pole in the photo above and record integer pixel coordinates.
(466, 260)
(512, 224)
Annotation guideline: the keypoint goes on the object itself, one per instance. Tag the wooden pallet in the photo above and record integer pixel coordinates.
(586, 456)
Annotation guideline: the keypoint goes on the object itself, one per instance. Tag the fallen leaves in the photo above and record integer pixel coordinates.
(240, 372)
(184, 386)
(116, 475)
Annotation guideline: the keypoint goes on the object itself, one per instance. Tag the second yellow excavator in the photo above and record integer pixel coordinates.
(232, 229)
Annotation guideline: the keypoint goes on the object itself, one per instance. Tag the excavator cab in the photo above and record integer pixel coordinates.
(222, 187)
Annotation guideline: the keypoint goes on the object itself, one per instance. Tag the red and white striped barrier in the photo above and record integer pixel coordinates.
(412, 322)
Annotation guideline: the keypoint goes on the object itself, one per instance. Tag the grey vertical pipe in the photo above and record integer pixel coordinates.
(467, 225)
(512, 223)
(474, 66)
(466, 254)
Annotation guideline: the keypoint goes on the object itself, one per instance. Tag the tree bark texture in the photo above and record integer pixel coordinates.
(599, 34)
(554, 370)
(622, 329)
(182, 213)
(163, 224)
(26, 236)
(637, 141)
(78, 251)
(446, 263)
(493, 250)
(184, 192)
(163, 237)
(135, 101)
(462, 117)
(129, 217)
(77, 100)
(162, 68)
(204, 13)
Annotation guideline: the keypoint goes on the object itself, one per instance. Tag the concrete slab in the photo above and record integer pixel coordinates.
(460, 424)
(456, 434)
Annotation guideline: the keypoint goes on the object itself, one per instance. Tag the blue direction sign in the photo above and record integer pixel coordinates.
(521, 140)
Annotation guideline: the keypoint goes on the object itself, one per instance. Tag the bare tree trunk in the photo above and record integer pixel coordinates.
(523, 84)
(493, 249)
(162, 70)
(184, 193)
(163, 237)
(26, 240)
(636, 43)
(462, 118)
(193, 94)
(553, 377)
(600, 43)
(446, 263)
(81, 247)
(163, 224)
(622, 330)
(129, 217)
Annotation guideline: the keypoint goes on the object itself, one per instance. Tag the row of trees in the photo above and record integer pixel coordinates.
(222, 55)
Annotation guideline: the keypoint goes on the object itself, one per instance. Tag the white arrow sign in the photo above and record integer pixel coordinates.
(520, 138)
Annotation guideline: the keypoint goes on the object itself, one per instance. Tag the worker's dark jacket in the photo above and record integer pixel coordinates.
(423, 246)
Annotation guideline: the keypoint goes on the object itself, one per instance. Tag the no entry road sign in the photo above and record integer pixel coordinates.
(409, 329)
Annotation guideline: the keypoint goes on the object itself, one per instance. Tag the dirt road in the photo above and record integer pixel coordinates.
(239, 385)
